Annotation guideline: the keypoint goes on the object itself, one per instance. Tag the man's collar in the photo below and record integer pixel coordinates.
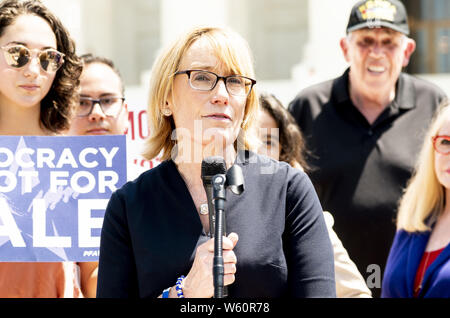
(405, 94)
(340, 92)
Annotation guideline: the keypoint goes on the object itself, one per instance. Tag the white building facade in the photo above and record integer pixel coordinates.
(295, 42)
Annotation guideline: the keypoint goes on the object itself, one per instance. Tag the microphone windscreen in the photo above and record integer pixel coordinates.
(213, 165)
(235, 179)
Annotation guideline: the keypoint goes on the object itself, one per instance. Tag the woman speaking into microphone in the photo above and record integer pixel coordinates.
(155, 241)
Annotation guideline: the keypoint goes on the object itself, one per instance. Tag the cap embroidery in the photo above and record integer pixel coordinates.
(377, 10)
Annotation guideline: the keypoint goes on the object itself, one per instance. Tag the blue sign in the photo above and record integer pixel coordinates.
(53, 195)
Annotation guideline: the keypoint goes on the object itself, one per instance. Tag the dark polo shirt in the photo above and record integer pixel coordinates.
(360, 169)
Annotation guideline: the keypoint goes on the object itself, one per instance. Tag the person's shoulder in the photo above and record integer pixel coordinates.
(315, 91)
(311, 100)
(422, 85)
(145, 179)
(260, 164)
(402, 234)
(404, 238)
(267, 171)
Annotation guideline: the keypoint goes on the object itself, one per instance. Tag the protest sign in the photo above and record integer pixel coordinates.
(53, 195)
(136, 134)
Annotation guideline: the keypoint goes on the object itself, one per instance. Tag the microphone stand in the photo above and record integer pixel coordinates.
(234, 180)
(219, 198)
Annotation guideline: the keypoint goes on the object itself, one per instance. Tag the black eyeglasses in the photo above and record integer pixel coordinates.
(205, 81)
(18, 56)
(110, 105)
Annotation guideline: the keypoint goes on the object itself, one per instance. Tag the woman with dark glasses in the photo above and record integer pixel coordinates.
(39, 74)
(155, 238)
(419, 260)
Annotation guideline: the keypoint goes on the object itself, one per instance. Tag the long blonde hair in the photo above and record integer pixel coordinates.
(231, 49)
(424, 198)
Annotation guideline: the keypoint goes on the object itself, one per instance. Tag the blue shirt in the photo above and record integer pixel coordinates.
(402, 265)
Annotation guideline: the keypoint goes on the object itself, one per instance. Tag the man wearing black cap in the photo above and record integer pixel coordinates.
(363, 131)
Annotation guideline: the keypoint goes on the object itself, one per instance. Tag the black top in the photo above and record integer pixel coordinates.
(361, 169)
(151, 230)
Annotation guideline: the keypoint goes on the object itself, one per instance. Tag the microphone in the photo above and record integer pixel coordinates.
(215, 167)
(212, 166)
(216, 179)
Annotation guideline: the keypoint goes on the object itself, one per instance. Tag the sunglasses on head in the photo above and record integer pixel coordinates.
(18, 56)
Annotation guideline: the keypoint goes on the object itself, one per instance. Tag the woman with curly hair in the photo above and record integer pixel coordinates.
(285, 142)
(39, 73)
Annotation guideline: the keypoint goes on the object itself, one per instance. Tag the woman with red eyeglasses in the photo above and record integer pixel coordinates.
(419, 261)
(39, 73)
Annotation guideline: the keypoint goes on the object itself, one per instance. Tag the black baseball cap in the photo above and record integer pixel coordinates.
(378, 13)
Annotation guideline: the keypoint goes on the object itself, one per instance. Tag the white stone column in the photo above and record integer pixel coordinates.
(96, 24)
(69, 12)
(177, 16)
(327, 21)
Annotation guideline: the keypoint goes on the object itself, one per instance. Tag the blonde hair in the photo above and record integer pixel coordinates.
(424, 197)
(232, 50)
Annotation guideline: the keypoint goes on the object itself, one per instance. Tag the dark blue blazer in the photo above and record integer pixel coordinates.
(152, 229)
(402, 264)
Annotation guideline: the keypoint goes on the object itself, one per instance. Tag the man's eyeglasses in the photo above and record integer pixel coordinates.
(442, 144)
(18, 56)
(205, 81)
(110, 105)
